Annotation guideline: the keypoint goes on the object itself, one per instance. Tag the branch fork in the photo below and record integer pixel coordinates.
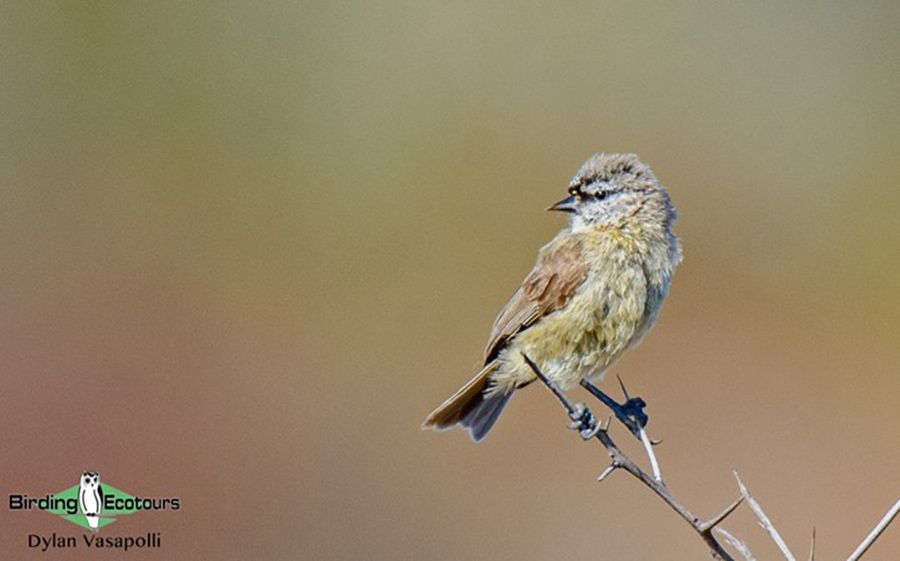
(631, 414)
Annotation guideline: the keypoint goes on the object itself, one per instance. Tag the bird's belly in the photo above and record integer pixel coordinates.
(574, 343)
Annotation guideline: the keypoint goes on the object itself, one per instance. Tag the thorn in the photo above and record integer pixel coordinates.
(655, 442)
(735, 543)
(812, 546)
(706, 527)
(606, 425)
(609, 469)
(741, 486)
(654, 463)
(622, 384)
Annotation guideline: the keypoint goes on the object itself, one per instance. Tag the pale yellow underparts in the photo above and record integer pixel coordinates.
(630, 264)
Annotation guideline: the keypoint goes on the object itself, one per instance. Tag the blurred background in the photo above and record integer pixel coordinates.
(247, 247)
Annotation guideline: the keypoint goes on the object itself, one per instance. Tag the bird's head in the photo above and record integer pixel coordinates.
(611, 187)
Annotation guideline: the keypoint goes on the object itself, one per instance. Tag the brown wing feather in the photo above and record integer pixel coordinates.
(559, 272)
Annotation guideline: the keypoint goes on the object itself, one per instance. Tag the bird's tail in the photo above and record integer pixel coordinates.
(472, 406)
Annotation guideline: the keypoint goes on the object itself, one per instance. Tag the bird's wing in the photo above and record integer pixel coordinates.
(559, 272)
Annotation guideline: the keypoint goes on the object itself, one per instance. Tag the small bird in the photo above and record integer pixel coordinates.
(596, 289)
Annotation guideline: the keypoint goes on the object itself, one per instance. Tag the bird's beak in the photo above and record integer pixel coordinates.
(569, 204)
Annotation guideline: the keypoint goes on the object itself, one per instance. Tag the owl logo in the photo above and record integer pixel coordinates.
(90, 498)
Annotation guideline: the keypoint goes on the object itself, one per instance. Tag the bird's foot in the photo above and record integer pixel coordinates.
(631, 413)
(583, 421)
(634, 410)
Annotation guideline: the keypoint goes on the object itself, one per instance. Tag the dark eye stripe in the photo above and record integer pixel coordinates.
(578, 193)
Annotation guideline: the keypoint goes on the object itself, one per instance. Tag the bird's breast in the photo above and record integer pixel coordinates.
(617, 303)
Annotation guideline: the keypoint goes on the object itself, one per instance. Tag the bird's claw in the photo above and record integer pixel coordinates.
(583, 421)
(631, 413)
(634, 410)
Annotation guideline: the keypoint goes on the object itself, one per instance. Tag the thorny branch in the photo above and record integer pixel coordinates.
(764, 520)
(622, 461)
(873, 535)
(705, 529)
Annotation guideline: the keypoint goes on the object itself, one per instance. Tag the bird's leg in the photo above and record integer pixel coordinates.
(631, 413)
(583, 421)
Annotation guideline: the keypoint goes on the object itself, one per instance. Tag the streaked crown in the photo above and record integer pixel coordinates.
(609, 173)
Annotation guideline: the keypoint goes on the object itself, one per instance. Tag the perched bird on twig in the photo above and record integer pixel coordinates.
(596, 289)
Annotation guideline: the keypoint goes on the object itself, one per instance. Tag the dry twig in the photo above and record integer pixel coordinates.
(705, 529)
(621, 461)
(737, 544)
(764, 520)
(873, 535)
